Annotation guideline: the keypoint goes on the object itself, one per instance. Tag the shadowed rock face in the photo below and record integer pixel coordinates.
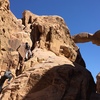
(79, 60)
(98, 83)
(53, 83)
(95, 96)
(63, 82)
(55, 72)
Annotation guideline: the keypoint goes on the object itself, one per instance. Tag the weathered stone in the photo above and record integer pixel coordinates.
(52, 81)
(50, 32)
(28, 17)
(82, 37)
(4, 5)
(11, 32)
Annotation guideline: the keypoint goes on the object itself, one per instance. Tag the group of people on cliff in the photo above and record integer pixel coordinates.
(7, 75)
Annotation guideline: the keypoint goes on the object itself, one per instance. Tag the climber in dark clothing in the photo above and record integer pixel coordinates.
(7, 75)
(28, 51)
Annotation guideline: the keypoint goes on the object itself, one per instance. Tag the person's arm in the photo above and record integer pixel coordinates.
(1, 72)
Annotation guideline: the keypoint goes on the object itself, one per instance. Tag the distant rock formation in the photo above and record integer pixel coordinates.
(87, 37)
(57, 70)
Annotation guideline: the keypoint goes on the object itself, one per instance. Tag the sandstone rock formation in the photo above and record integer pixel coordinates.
(11, 33)
(57, 70)
(87, 37)
(52, 78)
(51, 32)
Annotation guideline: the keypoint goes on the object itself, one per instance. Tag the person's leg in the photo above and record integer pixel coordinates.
(30, 53)
(26, 56)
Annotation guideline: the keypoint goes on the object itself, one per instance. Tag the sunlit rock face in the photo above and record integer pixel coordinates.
(51, 33)
(11, 34)
(96, 38)
(56, 71)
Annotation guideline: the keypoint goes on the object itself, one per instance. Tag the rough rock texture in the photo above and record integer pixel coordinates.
(52, 33)
(11, 34)
(52, 78)
(4, 5)
(82, 37)
(98, 83)
(87, 37)
(56, 71)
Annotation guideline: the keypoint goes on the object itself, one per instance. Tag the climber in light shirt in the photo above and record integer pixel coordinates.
(28, 52)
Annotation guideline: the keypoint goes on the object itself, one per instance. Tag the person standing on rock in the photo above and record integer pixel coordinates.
(28, 52)
(7, 75)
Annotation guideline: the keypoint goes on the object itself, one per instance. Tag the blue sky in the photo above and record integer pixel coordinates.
(79, 15)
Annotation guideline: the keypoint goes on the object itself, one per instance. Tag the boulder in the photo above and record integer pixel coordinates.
(82, 37)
